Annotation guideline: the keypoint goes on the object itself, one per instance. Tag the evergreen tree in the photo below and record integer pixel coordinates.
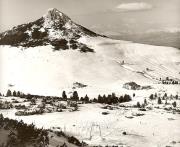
(29, 96)
(108, 100)
(81, 99)
(8, 93)
(145, 102)
(121, 99)
(159, 101)
(114, 98)
(127, 98)
(151, 97)
(22, 95)
(113, 95)
(165, 95)
(18, 94)
(95, 100)
(75, 96)
(155, 95)
(166, 102)
(86, 99)
(14, 93)
(64, 96)
(100, 99)
(176, 96)
(104, 98)
(171, 96)
(138, 105)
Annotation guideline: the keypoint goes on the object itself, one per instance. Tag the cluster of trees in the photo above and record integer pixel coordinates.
(164, 97)
(73, 44)
(13, 38)
(112, 99)
(85, 99)
(30, 96)
(18, 36)
(63, 44)
(27, 112)
(109, 99)
(75, 97)
(21, 133)
(174, 104)
(27, 96)
(60, 44)
(14, 93)
(138, 105)
(84, 48)
(5, 105)
(37, 34)
(153, 96)
(159, 100)
(169, 81)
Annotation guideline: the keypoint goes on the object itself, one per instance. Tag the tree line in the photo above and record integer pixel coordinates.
(106, 99)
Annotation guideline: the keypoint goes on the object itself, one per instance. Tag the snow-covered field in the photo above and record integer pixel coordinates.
(152, 129)
(155, 128)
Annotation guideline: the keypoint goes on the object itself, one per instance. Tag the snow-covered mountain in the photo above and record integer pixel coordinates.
(52, 53)
(54, 28)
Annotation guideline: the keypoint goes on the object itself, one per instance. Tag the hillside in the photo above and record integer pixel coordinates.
(56, 53)
(19, 134)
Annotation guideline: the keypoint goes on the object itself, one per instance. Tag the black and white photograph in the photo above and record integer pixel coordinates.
(89, 73)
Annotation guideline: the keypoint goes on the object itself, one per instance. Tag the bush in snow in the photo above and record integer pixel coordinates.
(174, 104)
(145, 102)
(138, 105)
(151, 96)
(176, 96)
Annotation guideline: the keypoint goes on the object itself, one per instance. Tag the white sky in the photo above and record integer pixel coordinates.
(100, 15)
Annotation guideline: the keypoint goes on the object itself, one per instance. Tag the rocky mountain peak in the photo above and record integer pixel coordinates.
(56, 17)
(54, 28)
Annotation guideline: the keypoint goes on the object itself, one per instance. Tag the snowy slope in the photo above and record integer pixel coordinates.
(42, 70)
(154, 129)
